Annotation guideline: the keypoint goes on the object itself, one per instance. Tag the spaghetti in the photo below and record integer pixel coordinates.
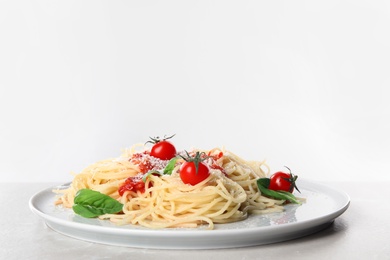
(228, 194)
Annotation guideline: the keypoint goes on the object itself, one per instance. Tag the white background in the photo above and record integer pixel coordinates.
(299, 83)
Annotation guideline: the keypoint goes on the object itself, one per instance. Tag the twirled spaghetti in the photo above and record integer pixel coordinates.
(228, 194)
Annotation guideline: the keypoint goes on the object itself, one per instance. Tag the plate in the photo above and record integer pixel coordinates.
(323, 205)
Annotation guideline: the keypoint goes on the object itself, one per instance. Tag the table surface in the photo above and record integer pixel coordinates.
(362, 232)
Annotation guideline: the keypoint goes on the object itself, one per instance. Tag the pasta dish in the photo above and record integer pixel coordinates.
(152, 192)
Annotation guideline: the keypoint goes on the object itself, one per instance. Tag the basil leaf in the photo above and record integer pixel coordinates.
(167, 170)
(170, 166)
(263, 184)
(89, 204)
(290, 197)
(146, 175)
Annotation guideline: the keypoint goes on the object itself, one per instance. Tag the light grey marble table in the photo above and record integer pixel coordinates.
(362, 232)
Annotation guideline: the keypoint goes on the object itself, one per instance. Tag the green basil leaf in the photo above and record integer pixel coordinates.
(167, 170)
(263, 184)
(89, 204)
(170, 166)
(290, 197)
(146, 175)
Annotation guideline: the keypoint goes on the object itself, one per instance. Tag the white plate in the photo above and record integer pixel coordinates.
(323, 204)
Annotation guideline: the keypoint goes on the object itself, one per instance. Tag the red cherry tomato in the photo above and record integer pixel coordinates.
(163, 150)
(189, 175)
(282, 181)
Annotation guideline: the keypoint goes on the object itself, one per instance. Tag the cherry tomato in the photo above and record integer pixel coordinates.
(189, 175)
(163, 150)
(283, 181)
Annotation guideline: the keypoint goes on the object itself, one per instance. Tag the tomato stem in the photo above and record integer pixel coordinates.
(155, 140)
(293, 178)
(195, 159)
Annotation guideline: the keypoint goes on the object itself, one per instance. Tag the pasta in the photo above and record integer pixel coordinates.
(228, 194)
